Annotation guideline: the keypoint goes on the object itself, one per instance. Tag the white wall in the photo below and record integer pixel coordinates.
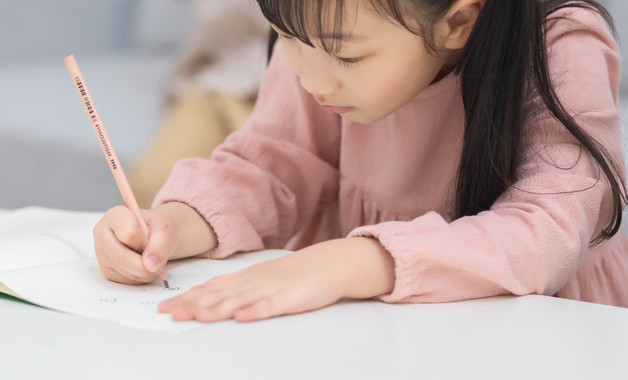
(31, 29)
(40, 29)
(49, 154)
(161, 24)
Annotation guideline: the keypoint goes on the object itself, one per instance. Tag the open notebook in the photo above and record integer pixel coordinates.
(47, 258)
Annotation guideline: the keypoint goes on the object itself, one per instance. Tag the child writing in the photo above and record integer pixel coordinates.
(412, 151)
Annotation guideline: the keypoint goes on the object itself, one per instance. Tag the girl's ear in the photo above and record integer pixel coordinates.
(459, 22)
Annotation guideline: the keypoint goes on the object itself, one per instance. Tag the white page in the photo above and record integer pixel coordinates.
(78, 287)
(46, 220)
(38, 236)
(25, 251)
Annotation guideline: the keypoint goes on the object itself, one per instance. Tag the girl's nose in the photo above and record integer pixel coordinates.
(316, 78)
(319, 86)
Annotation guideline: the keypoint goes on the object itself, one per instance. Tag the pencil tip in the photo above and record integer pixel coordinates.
(166, 284)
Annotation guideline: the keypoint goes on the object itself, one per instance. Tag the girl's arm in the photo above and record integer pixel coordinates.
(261, 187)
(267, 180)
(532, 240)
(309, 279)
(536, 236)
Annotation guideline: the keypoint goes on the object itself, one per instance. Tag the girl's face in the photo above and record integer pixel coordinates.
(380, 66)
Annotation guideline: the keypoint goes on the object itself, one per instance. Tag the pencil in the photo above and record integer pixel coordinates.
(107, 148)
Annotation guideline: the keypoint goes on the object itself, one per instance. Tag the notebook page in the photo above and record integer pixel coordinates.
(23, 251)
(43, 219)
(37, 236)
(78, 287)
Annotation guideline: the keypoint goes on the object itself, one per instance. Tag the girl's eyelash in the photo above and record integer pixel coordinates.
(348, 61)
(343, 61)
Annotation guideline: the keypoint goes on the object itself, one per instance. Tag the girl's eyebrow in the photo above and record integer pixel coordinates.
(345, 37)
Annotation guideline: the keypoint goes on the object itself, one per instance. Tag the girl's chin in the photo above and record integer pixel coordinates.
(359, 117)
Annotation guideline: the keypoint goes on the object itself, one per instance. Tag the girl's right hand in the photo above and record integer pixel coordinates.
(127, 256)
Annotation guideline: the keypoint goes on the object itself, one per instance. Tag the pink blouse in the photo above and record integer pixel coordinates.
(297, 174)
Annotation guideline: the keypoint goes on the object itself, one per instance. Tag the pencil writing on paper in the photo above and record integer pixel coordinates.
(110, 154)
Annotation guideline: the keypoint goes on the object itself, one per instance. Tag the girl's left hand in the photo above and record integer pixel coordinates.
(305, 280)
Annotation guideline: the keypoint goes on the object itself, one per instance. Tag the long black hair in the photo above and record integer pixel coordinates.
(497, 83)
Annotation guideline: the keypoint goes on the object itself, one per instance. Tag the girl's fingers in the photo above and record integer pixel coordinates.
(127, 228)
(226, 308)
(161, 244)
(114, 276)
(200, 296)
(262, 309)
(283, 302)
(182, 302)
(186, 306)
(206, 303)
(244, 307)
(273, 288)
(123, 262)
(127, 262)
(119, 238)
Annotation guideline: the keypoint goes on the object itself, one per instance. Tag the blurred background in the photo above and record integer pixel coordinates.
(127, 50)
(49, 154)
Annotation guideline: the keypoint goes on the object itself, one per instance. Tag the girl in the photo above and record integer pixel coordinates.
(414, 151)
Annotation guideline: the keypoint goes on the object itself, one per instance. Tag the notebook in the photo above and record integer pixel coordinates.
(47, 258)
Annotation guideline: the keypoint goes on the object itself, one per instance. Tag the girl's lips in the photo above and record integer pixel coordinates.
(339, 110)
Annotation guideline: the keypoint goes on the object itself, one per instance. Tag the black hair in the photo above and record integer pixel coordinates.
(494, 85)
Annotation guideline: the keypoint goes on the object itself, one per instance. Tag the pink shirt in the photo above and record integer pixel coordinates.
(297, 169)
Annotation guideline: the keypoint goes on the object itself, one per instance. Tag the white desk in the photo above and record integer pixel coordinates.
(532, 337)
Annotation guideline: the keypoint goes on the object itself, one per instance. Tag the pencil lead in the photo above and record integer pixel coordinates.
(166, 284)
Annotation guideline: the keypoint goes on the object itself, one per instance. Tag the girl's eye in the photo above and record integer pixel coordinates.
(348, 61)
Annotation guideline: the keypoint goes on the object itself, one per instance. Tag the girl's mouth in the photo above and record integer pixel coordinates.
(339, 110)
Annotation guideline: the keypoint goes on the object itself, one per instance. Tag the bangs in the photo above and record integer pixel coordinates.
(321, 20)
(308, 20)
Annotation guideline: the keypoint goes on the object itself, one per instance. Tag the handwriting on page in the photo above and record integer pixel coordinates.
(144, 295)
(80, 288)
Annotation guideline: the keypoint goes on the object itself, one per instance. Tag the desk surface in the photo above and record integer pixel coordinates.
(532, 337)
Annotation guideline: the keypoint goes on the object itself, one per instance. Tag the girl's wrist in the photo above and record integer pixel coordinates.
(194, 234)
(361, 267)
(370, 269)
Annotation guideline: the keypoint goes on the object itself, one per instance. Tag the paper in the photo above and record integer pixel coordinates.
(49, 269)
(78, 287)
(38, 236)
(28, 220)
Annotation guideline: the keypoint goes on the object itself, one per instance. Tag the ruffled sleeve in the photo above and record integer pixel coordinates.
(266, 181)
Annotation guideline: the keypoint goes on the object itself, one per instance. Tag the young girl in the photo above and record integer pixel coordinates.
(413, 151)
